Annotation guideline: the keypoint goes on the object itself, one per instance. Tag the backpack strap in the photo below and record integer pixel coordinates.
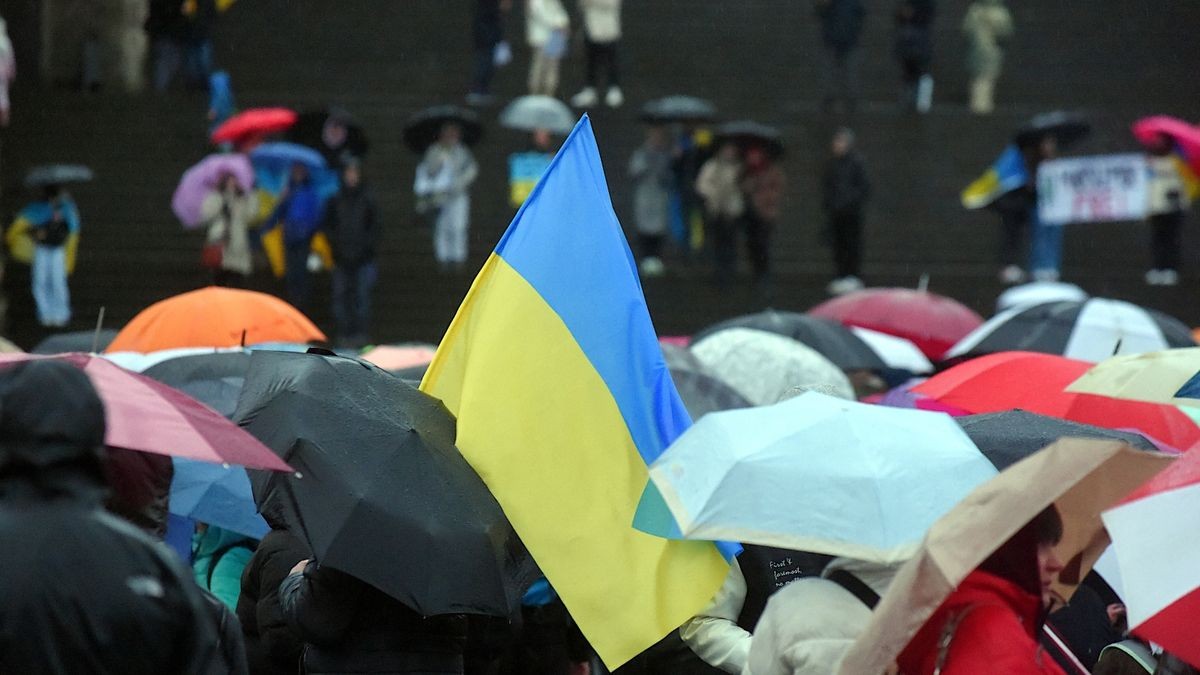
(855, 587)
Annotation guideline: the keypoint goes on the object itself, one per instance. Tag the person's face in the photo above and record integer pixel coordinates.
(352, 176)
(450, 135)
(542, 139)
(1048, 568)
(229, 183)
(756, 157)
(840, 145)
(334, 134)
(1048, 147)
(656, 137)
(729, 152)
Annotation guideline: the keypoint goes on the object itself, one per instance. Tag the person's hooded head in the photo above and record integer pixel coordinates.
(51, 425)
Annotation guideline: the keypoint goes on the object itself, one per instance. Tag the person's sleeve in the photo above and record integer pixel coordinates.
(764, 657)
(713, 634)
(469, 173)
(227, 576)
(704, 186)
(316, 606)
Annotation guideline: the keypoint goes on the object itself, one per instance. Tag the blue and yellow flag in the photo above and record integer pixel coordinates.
(1007, 174)
(562, 396)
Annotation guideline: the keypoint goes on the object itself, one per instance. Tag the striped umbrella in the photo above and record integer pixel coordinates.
(1091, 330)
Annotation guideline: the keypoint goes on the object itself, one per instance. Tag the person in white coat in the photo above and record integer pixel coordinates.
(442, 187)
(809, 626)
(546, 27)
(602, 28)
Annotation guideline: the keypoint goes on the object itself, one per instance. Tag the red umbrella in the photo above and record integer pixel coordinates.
(1036, 383)
(932, 322)
(1158, 553)
(250, 126)
(1186, 136)
(148, 416)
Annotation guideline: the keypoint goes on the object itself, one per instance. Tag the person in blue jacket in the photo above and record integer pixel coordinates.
(299, 214)
(53, 221)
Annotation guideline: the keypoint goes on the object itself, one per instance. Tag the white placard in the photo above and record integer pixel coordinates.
(1093, 189)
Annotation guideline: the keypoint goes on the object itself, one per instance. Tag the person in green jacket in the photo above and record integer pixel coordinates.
(218, 558)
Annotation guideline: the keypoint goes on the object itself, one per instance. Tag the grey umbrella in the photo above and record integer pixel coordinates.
(57, 174)
(530, 113)
(679, 109)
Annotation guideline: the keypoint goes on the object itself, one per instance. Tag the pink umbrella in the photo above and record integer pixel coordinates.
(1186, 136)
(148, 416)
(399, 357)
(198, 181)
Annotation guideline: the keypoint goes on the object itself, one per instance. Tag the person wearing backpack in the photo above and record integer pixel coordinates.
(53, 221)
(218, 558)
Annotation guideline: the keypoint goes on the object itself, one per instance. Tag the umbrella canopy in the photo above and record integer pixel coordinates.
(148, 416)
(280, 156)
(215, 317)
(217, 495)
(422, 129)
(8, 347)
(1036, 383)
(1158, 556)
(686, 109)
(829, 338)
(250, 126)
(1006, 438)
(896, 352)
(764, 367)
(316, 128)
(748, 133)
(57, 174)
(1080, 477)
(200, 180)
(399, 357)
(1091, 330)
(1156, 377)
(530, 113)
(680, 358)
(932, 322)
(703, 393)
(1039, 292)
(79, 341)
(1067, 128)
(1186, 137)
(817, 473)
(380, 492)
(215, 379)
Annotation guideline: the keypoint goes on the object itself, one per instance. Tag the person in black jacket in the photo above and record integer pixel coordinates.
(845, 190)
(84, 592)
(351, 222)
(841, 26)
(272, 648)
(914, 50)
(351, 627)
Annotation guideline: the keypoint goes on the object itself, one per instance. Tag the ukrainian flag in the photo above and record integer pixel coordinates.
(1007, 174)
(562, 397)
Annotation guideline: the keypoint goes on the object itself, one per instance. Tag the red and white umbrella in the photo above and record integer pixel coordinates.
(1154, 535)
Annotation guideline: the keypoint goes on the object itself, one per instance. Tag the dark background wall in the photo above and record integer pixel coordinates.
(384, 59)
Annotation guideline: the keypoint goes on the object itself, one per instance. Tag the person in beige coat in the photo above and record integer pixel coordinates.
(546, 26)
(809, 625)
(987, 23)
(719, 185)
(227, 212)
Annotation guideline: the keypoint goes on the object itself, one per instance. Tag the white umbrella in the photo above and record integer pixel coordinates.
(1038, 292)
(817, 473)
(896, 352)
(530, 113)
(764, 367)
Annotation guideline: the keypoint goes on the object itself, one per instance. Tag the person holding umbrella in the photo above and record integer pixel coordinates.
(442, 186)
(718, 184)
(227, 211)
(352, 225)
(53, 221)
(299, 215)
(762, 183)
(1169, 198)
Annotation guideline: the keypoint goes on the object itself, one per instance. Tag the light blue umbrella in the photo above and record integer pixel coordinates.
(217, 495)
(818, 473)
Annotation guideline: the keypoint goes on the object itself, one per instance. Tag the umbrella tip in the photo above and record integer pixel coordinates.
(298, 475)
(243, 338)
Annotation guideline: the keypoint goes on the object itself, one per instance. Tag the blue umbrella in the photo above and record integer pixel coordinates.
(217, 495)
(273, 165)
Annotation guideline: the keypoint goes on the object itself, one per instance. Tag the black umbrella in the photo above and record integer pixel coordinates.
(687, 109)
(1066, 128)
(423, 128)
(380, 492)
(1006, 438)
(703, 393)
(215, 379)
(57, 174)
(310, 130)
(748, 133)
(79, 341)
(829, 338)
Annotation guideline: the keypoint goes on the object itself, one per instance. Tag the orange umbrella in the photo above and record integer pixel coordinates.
(215, 317)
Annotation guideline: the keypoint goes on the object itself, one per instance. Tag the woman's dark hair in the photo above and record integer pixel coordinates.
(1016, 559)
(1048, 526)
